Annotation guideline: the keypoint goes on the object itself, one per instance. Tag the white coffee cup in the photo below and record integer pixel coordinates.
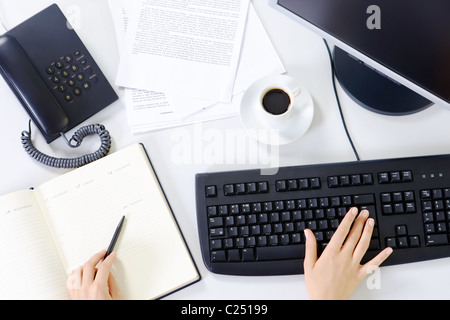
(277, 102)
(289, 121)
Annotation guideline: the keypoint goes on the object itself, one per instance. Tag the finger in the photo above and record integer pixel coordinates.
(377, 261)
(342, 231)
(114, 289)
(356, 231)
(310, 251)
(74, 280)
(364, 242)
(104, 269)
(89, 267)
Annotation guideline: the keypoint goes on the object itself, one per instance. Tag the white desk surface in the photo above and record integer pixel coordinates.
(305, 57)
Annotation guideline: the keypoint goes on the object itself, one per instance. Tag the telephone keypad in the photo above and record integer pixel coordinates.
(71, 75)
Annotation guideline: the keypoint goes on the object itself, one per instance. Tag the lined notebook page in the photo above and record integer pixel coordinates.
(84, 207)
(30, 267)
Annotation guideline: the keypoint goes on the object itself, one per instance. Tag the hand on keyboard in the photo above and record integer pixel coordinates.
(338, 271)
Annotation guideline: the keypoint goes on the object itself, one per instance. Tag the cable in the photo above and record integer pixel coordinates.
(77, 138)
(333, 75)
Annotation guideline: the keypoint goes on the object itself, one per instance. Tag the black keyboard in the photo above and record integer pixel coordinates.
(250, 224)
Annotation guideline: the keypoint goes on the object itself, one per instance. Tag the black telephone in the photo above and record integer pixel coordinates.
(55, 78)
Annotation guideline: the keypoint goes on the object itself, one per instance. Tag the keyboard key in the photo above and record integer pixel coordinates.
(436, 240)
(217, 233)
(408, 196)
(436, 193)
(414, 241)
(240, 188)
(263, 187)
(250, 242)
(356, 180)
(222, 210)
(290, 205)
(407, 176)
(211, 191)
(251, 188)
(256, 207)
(395, 177)
(273, 240)
(398, 208)
(281, 186)
(245, 208)
(215, 222)
(367, 179)
(402, 242)
(314, 183)
(344, 181)
(333, 182)
(292, 185)
(280, 253)
(401, 230)
(234, 209)
(427, 206)
(267, 206)
(387, 209)
(212, 211)
(425, 195)
(303, 184)
(248, 255)
(234, 256)
(218, 256)
(363, 199)
(391, 242)
(228, 243)
(374, 245)
(215, 244)
(383, 178)
(229, 221)
(228, 190)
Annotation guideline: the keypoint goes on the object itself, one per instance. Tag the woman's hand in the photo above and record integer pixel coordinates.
(338, 271)
(90, 283)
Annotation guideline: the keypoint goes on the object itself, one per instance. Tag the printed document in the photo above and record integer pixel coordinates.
(151, 110)
(185, 47)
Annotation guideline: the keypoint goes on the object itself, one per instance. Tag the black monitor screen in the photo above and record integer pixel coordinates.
(409, 37)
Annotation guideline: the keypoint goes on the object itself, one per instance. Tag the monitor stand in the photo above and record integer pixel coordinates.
(373, 90)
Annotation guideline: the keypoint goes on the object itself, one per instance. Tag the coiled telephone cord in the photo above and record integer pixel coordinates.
(77, 138)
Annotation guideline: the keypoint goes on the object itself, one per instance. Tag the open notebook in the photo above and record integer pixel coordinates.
(59, 225)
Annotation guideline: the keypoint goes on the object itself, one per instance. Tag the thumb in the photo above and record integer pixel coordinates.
(310, 251)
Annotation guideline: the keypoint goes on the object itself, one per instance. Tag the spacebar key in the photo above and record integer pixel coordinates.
(280, 253)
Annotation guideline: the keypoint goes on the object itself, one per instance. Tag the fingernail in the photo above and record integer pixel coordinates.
(354, 211)
(306, 234)
(371, 222)
(365, 213)
(389, 251)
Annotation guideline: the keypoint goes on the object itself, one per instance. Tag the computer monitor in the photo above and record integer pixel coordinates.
(391, 56)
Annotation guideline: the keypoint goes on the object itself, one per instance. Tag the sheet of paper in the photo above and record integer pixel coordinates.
(150, 110)
(162, 116)
(30, 267)
(185, 47)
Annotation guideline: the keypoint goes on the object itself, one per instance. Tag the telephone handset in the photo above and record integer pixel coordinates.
(57, 81)
(30, 89)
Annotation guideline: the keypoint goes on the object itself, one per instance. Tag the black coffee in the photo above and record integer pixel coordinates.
(276, 102)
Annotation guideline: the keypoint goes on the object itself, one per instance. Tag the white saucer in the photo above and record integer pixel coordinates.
(294, 128)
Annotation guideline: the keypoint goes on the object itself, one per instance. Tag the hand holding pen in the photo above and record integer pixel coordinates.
(94, 281)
